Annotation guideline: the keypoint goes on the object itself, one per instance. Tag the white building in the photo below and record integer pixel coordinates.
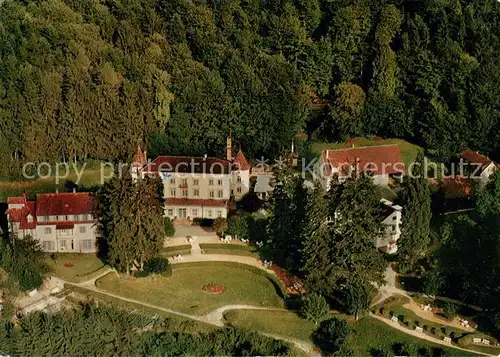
(61, 222)
(197, 187)
(391, 232)
(481, 167)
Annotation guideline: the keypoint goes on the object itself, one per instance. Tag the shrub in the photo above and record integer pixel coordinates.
(314, 308)
(158, 265)
(168, 227)
(331, 335)
(450, 311)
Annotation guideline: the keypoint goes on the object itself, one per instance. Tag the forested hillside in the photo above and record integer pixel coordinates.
(85, 79)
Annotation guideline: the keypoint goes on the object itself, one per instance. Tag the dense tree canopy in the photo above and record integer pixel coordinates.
(105, 331)
(84, 79)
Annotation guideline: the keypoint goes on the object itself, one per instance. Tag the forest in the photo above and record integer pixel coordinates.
(86, 79)
(92, 330)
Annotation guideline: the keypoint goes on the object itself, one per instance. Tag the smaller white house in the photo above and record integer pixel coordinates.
(391, 219)
(481, 167)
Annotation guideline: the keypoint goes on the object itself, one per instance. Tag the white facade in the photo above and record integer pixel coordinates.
(391, 231)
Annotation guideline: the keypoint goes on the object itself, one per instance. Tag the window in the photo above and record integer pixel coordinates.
(209, 213)
(60, 218)
(196, 192)
(30, 218)
(219, 182)
(238, 189)
(170, 212)
(48, 245)
(394, 228)
(238, 179)
(219, 214)
(45, 218)
(220, 193)
(194, 211)
(184, 193)
(211, 182)
(90, 217)
(172, 193)
(196, 182)
(394, 218)
(83, 229)
(184, 182)
(65, 232)
(212, 195)
(87, 244)
(47, 230)
(172, 181)
(62, 244)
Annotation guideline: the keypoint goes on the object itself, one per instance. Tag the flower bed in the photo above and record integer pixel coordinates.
(213, 289)
(293, 285)
(68, 265)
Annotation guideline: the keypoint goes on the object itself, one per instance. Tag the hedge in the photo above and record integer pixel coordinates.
(229, 249)
(184, 249)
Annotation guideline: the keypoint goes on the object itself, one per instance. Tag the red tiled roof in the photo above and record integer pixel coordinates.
(20, 215)
(240, 162)
(188, 164)
(457, 187)
(17, 200)
(196, 202)
(383, 159)
(139, 157)
(476, 158)
(55, 204)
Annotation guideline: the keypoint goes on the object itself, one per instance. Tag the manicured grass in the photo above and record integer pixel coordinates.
(368, 335)
(283, 323)
(183, 290)
(85, 266)
(231, 249)
(184, 249)
(174, 323)
(408, 151)
(90, 177)
(371, 334)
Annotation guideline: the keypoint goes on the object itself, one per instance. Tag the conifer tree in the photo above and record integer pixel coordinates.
(342, 249)
(416, 202)
(287, 220)
(132, 217)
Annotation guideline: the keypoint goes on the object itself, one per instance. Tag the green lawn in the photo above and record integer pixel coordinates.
(231, 249)
(183, 290)
(368, 333)
(408, 151)
(174, 323)
(85, 266)
(184, 249)
(90, 177)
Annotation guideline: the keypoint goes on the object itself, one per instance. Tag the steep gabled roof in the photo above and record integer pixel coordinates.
(188, 164)
(476, 158)
(61, 204)
(139, 158)
(240, 162)
(383, 159)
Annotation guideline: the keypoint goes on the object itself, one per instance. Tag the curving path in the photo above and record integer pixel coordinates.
(216, 317)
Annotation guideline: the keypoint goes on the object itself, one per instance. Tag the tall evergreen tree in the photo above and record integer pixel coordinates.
(416, 202)
(287, 220)
(132, 217)
(342, 248)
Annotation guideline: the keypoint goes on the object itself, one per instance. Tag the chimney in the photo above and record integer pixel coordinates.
(74, 189)
(205, 156)
(57, 189)
(145, 156)
(229, 149)
(292, 146)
